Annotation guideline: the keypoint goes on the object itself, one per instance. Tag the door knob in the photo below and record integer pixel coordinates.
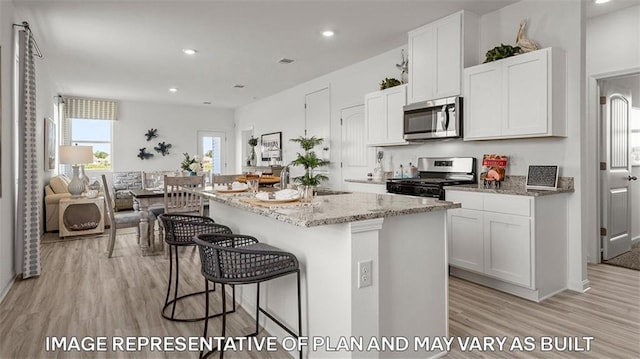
(632, 178)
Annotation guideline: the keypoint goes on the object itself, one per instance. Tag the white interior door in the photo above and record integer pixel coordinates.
(212, 148)
(615, 170)
(353, 157)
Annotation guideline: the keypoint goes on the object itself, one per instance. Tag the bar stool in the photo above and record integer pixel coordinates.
(236, 259)
(180, 230)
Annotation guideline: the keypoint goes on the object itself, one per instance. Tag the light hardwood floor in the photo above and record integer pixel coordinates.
(83, 293)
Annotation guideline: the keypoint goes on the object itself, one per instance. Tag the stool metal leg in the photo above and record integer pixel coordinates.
(299, 311)
(173, 252)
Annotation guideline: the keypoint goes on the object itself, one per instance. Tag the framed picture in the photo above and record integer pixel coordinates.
(543, 178)
(50, 142)
(271, 146)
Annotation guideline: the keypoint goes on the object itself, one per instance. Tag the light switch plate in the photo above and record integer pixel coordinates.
(364, 274)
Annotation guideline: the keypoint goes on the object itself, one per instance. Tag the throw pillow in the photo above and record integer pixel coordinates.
(59, 184)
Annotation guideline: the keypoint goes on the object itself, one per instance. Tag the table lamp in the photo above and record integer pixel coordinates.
(77, 156)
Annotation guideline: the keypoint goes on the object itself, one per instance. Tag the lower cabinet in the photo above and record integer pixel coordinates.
(512, 243)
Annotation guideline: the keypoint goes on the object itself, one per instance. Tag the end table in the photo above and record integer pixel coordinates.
(81, 215)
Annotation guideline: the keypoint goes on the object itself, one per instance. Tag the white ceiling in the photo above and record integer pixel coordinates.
(131, 50)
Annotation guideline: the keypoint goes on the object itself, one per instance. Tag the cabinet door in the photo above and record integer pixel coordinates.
(482, 101)
(448, 56)
(396, 98)
(507, 248)
(375, 117)
(525, 94)
(466, 245)
(421, 64)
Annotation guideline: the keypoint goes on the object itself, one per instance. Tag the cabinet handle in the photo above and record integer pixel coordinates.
(632, 178)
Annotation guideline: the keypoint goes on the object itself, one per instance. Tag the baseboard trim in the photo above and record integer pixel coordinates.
(6, 289)
(580, 287)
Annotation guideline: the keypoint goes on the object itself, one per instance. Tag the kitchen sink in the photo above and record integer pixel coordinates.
(329, 192)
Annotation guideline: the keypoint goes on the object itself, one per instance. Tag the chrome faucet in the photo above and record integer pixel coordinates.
(284, 177)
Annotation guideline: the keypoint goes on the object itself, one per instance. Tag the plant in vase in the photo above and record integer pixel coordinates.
(253, 142)
(191, 164)
(309, 161)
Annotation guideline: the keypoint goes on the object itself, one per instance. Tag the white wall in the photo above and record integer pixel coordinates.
(556, 24)
(176, 124)
(7, 216)
(612, 49)
(285, 111)
(613, 41)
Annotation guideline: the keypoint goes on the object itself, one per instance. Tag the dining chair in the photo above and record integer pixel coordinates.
(224, 179)
(122, 220)
(179, 198)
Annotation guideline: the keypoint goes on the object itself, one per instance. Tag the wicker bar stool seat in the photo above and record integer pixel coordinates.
(179, 231)
(235, 259)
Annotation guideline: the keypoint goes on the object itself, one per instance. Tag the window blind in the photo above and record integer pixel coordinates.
(90, 109)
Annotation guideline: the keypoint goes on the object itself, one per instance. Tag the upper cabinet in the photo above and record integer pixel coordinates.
(517, 97)
(383, 113)
(437, 54)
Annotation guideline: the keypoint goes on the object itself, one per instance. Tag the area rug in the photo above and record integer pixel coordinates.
(629, 259)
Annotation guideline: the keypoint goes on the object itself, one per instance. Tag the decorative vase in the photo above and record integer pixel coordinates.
(253, 160)
(192, 173)
(307, 193)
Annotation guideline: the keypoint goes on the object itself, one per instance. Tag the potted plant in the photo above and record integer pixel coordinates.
(309, 161)
(253, 142)
(191, 164)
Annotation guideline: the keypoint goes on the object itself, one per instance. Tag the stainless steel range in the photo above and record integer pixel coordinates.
(433, 174)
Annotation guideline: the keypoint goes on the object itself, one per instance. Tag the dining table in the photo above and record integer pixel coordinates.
(147, 198)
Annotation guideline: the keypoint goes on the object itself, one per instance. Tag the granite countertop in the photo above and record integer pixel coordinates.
(365, 180)
(516, 185)
(334, 209)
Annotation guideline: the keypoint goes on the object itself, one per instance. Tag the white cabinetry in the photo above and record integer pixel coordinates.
(512, 243)
(437, 53)
(520, 96)
(384, 116)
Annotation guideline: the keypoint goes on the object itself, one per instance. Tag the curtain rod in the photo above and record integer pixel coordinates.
(25, 25)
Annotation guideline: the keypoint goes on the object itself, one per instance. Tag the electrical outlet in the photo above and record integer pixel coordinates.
(365, 278)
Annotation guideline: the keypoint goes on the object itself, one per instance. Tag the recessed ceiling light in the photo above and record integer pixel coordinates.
(238, 86)
(189, 51)
(173, 89)
(602, 1)
(327, 33)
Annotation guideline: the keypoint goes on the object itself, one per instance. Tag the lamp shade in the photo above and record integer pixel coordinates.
(73, 155)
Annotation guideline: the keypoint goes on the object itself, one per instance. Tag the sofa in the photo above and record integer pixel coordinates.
(122, 183)
(53, 192)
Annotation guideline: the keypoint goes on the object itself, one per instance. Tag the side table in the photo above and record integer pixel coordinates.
(81, 215)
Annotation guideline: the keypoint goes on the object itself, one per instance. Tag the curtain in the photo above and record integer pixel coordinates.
(29, 213)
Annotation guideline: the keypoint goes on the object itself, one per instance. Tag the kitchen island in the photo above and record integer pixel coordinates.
(333, 237)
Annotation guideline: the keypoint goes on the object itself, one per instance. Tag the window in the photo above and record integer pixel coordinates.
(635, 136)
(96, 133)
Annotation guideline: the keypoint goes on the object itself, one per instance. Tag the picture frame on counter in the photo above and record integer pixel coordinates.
(542, 177)
(271, 146)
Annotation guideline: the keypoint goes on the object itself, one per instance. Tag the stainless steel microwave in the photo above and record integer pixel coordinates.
(435, 119)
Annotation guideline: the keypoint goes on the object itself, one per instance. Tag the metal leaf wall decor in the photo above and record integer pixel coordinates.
(152, 133)
(143, 154)
(163, 148)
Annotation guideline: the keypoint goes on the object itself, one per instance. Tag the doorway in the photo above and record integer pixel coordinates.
(619, 163)
(212, 148)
